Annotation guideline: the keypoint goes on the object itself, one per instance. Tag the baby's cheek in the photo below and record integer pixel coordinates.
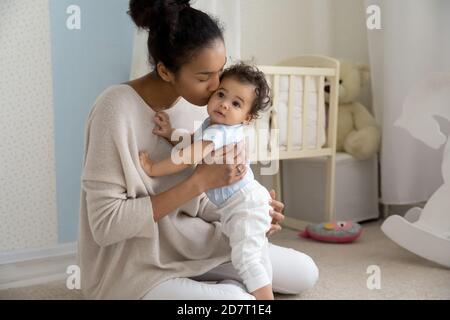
(212, 102)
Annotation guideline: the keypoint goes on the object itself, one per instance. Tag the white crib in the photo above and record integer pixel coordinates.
(297, 125)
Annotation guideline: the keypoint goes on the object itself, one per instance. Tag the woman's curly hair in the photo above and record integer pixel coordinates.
(248, 74)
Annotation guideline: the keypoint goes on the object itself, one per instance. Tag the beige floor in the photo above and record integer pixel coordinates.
(343, 271)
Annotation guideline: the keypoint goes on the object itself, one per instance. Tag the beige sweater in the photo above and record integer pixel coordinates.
(122, 252)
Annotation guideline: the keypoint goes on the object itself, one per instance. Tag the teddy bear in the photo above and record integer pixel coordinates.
(357, 133)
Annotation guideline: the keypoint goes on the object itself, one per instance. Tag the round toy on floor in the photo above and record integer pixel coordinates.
(336, 232)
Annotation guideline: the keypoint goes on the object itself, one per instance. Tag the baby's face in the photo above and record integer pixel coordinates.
(231, 103)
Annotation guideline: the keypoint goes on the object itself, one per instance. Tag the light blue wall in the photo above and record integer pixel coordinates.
(84, 62)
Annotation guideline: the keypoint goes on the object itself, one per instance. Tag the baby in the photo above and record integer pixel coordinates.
(244, 206)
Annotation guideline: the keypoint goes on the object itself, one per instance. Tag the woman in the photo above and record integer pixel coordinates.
(159, 238)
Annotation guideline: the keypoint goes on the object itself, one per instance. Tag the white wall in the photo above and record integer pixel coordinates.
(28, 216)
(47, 88)
(275, 30)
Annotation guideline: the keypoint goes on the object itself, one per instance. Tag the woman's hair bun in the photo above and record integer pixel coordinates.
(152, 14)
(176, 31)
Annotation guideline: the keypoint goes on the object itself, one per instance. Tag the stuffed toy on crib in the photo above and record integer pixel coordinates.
(358, 133)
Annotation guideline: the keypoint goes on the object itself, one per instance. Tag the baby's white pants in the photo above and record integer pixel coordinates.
(245, 221)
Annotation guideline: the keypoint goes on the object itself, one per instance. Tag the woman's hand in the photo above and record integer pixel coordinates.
(219, 175)
(276, 214)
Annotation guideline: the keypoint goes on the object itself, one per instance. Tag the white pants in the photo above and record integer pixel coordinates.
(245, 221)
(293, 273)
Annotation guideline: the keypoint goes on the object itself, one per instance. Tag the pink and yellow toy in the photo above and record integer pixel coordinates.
(337, 232)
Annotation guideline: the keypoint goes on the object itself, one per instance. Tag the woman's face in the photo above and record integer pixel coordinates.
(199, 79)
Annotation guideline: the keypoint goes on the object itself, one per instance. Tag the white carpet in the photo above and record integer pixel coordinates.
(343, 268)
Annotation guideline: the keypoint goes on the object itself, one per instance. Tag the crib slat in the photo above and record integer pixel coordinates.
(320, 109)
(305, 112)
(274, 116)
(257, 138)
(274, 134)
(300, 71)
(290, 112)
(331, 140)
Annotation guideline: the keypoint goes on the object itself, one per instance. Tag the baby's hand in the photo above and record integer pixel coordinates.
(146, 163)
(163, 127)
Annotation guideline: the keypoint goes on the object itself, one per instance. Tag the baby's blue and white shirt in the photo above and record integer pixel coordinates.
(223, 135)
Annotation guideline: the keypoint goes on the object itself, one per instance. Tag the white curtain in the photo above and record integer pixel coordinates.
(414, 42)
(227, 12)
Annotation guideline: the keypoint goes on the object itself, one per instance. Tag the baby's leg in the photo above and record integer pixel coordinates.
(250, 258)
(246, 221)
(266, 292)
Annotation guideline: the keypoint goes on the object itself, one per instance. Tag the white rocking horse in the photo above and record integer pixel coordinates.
(426, 232)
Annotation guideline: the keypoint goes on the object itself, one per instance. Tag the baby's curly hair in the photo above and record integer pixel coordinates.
(248, 74)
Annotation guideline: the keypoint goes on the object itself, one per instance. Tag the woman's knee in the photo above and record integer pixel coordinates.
(297, 273)
(188, 289)
(307, 273)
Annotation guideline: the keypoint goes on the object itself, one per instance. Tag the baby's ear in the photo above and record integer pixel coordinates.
(249, 119)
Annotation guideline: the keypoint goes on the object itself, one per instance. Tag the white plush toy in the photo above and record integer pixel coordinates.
(358, 133)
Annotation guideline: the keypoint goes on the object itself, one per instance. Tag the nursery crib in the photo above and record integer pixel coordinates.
(299, 124)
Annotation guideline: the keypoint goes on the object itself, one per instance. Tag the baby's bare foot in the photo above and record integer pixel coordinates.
(264, 293)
